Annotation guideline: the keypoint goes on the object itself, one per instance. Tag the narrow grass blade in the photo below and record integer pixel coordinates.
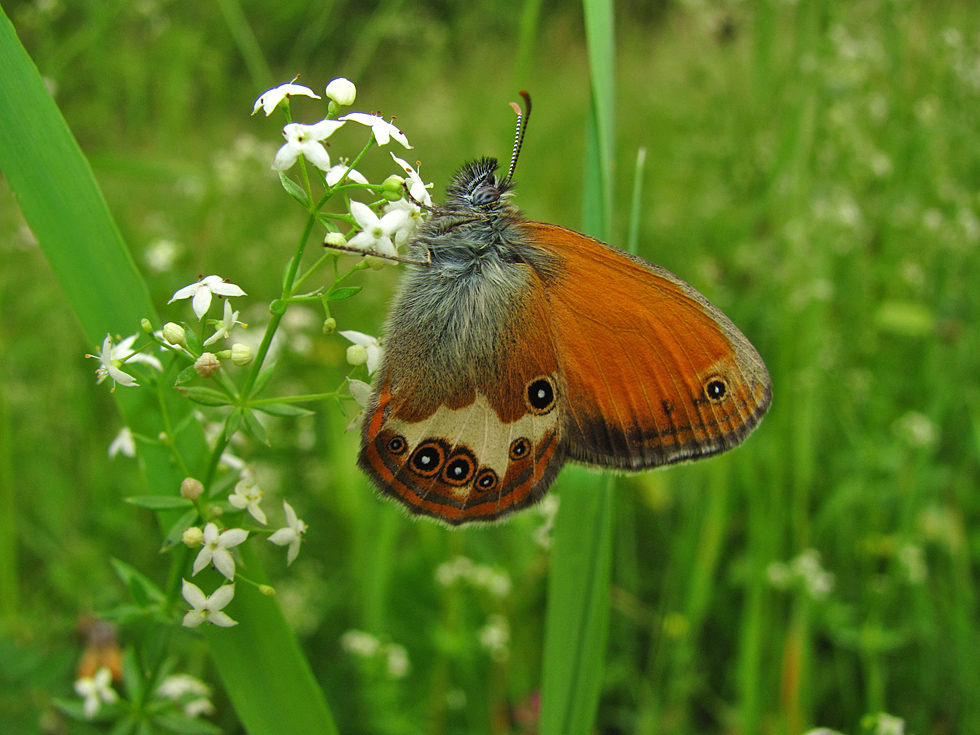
(577, 624)
(268, 680)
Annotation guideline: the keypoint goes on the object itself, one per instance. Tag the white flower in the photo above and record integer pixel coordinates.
(176, 686)
(359, 643)
(270, 100)
(342, 91)
(418, 189)
(291, 535)
(495, 637)
(375, 231)
(216, 547)
(247, 497)
(109, 370)
(200, 293)
(96, 690)
(123, 443)
(124, 352)
(383, 130)
(361, 392)
(208, 607)
(224, 326)
(370, 344)
(305, 140)
(397, 661)
(336, 173)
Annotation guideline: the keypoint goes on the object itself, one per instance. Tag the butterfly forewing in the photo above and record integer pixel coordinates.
(654, 374)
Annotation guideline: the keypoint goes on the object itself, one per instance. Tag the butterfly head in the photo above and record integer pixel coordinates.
(476, 187)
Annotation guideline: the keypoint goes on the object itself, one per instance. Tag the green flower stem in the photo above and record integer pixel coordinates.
(297, 399)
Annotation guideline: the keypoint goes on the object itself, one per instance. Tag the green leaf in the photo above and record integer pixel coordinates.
(265, 674)
(184, 725)
(193, 341)
(283, 409)
(186, 375)
(263, 379)
(176, 533)
(294, 190)
(254, 428)
(132, 577)
(327, 222)
(205, 396)
(339, 294)
(233, 423)
(160, 502)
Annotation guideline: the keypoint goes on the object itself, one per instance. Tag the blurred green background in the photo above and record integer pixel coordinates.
(812, 167)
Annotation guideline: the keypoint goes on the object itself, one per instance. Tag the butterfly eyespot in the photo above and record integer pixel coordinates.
(486, 194)
(519, 448)
(459, 468)
(715, 389)
(396, 445)
(486, 480)
(428, 458)
(540, 396)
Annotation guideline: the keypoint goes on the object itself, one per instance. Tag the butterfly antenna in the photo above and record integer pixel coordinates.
(522, 118)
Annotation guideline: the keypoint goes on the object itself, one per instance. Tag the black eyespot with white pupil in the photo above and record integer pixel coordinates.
(428, 458)
(460, 467)
(486, 194)
(486, 480)
(519, 448)
(540, 396)
(716, 389)
(397, 445)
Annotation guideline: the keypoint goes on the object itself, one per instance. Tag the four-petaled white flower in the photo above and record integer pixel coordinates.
(383, 130)
(291, 535)
(247, 497)
(208, 608)
(305, 140)
(215, 550)
(224, 326)
(96, 690)
(108, 368)
(200, 293)
(361, 392)
(270, 100)
(123, 444)
(370, 344)
(376, 232)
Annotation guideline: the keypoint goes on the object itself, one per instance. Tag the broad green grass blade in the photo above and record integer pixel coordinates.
(577, 624)
(66, 211)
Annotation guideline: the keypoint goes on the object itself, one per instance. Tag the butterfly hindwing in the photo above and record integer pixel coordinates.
(479, 444)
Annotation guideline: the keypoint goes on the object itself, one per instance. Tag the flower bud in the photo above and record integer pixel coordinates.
(267, 590)
(193, 536)
(329, 325)
(334, 239)
(173, 333)
(375, 262)
(146, 325)
(356, 355)
(241, 354)
(191, 488)
(206, 365)
(393, 188)
(342, 91)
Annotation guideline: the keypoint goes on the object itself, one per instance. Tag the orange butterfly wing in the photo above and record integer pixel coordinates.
(652, 372)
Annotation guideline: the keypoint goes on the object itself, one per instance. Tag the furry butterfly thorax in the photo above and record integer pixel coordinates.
(514, 346)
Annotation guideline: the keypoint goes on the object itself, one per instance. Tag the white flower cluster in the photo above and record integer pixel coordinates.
(805, 569)
(380, 234)
(462, 569)
(366, 646)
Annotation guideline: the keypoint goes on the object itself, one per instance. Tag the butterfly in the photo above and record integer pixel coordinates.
(513, 347)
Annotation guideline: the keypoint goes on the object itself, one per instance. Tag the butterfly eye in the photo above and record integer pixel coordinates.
(486, 194)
